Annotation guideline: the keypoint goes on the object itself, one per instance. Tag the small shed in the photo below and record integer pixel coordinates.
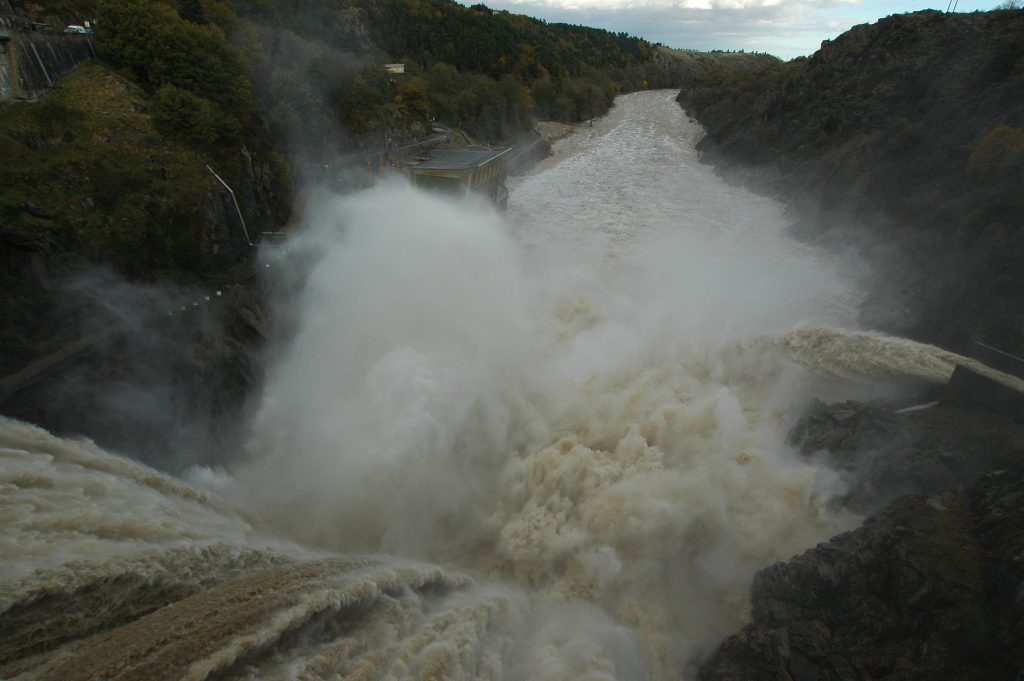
(461, 170)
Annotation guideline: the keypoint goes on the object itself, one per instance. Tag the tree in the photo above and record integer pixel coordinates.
(181, 114)
(160, 48)
(192, 10)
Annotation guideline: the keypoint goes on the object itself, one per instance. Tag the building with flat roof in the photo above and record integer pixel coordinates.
(461, 170)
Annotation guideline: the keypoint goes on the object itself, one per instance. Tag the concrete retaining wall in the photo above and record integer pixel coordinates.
(31, 61)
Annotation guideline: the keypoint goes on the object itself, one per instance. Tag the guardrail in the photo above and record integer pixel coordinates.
(997, 359)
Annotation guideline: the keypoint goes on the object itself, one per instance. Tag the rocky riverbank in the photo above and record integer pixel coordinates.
(928, 587)
(899, 145)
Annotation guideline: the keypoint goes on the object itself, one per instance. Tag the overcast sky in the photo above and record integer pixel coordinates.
(785, 28)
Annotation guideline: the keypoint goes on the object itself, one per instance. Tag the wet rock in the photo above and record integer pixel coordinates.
(928, 588)
(168, 385)
(884, 452)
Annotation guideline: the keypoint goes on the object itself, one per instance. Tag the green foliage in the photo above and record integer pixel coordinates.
(726, 96)
(485, 70)
(54, 117)
(94, 174)
(65, 11)
(496, 43)
(361, 100)
(180, 114)
(192, 10)
(160, 48)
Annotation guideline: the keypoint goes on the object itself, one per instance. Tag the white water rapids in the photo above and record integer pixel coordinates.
(549, 445)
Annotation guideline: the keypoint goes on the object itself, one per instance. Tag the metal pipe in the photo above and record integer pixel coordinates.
(235, 201)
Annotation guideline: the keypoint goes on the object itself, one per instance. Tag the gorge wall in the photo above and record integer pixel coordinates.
(900, 145)
(904, 142)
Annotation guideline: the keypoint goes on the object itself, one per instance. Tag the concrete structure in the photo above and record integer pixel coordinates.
(6, 90)
(31, 59)
(461, 170)
(8, 22)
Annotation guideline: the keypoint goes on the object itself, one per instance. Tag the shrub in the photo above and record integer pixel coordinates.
(160, 48)
(183, 115)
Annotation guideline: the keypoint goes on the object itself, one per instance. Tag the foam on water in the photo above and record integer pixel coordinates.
(579, 410)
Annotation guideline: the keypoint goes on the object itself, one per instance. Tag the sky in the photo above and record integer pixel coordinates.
(785, 28)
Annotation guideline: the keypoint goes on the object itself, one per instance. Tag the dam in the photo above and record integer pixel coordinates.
(546, 444)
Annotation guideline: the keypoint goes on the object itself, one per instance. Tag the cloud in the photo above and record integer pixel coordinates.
(786, 28)
(634, 5)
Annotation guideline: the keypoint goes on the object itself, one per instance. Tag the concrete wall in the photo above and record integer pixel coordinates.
(32, 61)
(6, 90)
(6, 72)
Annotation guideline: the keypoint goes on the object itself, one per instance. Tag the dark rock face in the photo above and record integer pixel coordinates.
(170, 390)
(928, 588)
(904, 142)
(885, 454)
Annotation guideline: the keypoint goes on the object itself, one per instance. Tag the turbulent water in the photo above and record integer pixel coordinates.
(544, 445)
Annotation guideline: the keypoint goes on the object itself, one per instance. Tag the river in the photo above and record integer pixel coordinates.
(550, 444)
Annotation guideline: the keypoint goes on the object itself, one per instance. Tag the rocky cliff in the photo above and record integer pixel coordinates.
(167, 378)
(928, 588)
(902, 141)
(930, 585)
(884, 452)
(100, 196)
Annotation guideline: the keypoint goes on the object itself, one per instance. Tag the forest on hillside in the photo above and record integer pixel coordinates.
(317, 67)
(486, 71)
(252, 86)
(115, 164)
